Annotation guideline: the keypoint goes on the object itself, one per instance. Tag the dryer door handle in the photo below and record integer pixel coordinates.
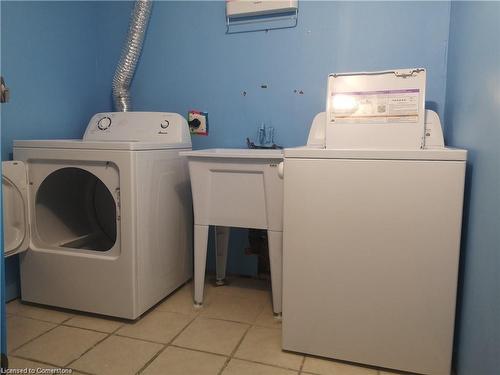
(281, 170)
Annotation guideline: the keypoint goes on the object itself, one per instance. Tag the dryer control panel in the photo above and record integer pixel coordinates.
(162, 127)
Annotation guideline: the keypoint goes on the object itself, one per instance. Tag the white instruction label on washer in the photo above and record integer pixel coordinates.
(377, 107)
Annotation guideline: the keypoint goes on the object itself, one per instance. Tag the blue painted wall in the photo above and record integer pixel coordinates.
(189, 62)
(59, 60)
(473, 122)
(60, 57)
(49, 60)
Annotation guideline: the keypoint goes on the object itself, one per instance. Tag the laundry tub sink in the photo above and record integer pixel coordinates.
(236, 188)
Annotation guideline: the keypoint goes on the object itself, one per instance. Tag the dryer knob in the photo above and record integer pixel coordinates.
(104, 123)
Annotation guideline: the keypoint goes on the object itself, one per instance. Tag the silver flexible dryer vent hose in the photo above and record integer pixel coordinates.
(130, 55)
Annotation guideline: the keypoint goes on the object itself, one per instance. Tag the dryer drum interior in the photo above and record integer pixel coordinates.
(75, 209)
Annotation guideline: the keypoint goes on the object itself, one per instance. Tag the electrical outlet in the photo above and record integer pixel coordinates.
(198, 122)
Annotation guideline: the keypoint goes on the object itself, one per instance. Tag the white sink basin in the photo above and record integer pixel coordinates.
(236, 188)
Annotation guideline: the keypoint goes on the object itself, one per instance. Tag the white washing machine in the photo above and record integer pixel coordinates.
(103, 224)
(371, 229)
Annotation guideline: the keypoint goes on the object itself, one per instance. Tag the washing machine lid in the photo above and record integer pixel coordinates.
(99, 145)
(378, 110)
(15, 207)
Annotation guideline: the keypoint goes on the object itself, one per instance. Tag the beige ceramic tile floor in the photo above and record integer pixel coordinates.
(233, 334)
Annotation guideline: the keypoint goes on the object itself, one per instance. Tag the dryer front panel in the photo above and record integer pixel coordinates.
(81, 255)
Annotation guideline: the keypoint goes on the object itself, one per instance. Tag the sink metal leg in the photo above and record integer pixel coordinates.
(275, 242)
(200, 261)
(221, 247)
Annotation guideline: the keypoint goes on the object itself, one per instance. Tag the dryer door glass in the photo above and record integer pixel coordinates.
(74, 209)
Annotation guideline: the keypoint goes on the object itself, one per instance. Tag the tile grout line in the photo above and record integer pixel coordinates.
(92, 347)
(41, 361)
(249, 325)
(233, 352)
(231, 321)
(62, 324)
(34, 338)
(141, 339)
(74, 314)
(302, 365)
(266, 364)
(165, 346)
(57, 325)
(170, 343)
(239, 359)
(269, 364)
(47, 363)
(54, 309)
(94, 330)
(40, 320)
(146, 365)
(228, 358)
(197, 350)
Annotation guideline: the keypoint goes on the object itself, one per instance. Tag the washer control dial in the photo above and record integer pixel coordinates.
(164, 124)
(104, 123)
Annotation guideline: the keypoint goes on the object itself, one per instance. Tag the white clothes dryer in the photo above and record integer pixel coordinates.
(103, 224)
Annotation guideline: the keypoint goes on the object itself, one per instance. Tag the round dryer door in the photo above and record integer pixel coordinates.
(75, 206)
(15, 210)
